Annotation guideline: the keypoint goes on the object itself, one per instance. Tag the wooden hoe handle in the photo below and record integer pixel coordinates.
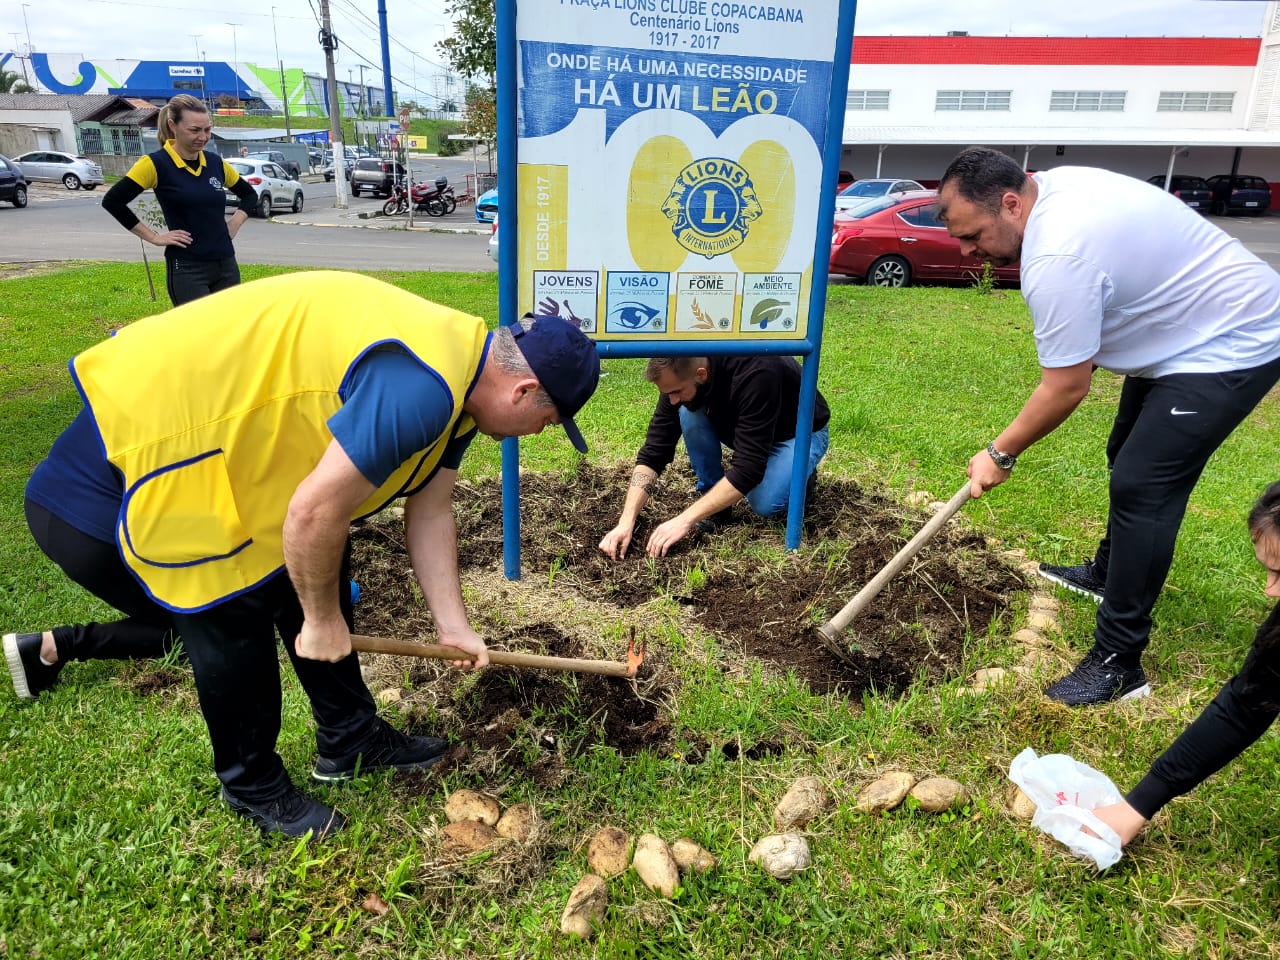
(435, 651)
(831, 630)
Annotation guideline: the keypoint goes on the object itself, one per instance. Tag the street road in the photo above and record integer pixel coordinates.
(59, 224)
(71, 225)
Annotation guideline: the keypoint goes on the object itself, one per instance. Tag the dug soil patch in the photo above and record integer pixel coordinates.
(738, 587)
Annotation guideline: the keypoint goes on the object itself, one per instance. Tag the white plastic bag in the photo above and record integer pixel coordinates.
(1065, 792)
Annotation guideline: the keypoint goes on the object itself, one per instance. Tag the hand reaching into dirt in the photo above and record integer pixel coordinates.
(667, 535)
(615, 542)
(469, 641)
(329, 641)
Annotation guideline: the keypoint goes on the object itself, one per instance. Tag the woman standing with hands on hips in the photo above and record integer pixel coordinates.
(188, 182)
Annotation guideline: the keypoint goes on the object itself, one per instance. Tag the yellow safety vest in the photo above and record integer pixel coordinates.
(215, 411)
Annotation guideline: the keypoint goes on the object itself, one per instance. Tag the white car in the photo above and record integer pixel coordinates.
(53, 165)
(493, 240)
(276, 191)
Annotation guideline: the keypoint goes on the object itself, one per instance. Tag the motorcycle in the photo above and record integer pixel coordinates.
(398, 202)
(436, 198)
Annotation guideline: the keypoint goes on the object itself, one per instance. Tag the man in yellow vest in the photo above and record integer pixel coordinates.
(207, 487)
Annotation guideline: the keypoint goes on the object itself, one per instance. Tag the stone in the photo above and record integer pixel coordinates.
(1019, 804)
(609, 851)
(990, 677)
(1043, 622)
(655, 866)
(691, 857)
(804, 800)
(472, 805)
(585, 909)
(885, 793)
(937, 794)
(465, 837)
(781, 855)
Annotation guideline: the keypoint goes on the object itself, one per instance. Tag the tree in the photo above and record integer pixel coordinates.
(481, 119)
(473, 48)
(12, 82)
(473, 52)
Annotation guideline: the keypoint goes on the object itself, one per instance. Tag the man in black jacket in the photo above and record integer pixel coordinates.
(748, 404)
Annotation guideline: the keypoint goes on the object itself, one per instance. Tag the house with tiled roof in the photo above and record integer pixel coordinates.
(112, 130)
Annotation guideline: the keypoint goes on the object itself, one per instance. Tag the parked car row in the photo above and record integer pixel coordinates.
(1221, 194)
(13, 183)
(291, 167)
(896, 239)
(859, 190)
(376, 175)
(275, 189)
(74, 172)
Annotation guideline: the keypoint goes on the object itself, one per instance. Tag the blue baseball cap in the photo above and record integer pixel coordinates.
(566, 364)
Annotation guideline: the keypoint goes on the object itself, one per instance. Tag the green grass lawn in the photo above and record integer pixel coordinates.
(111, 842)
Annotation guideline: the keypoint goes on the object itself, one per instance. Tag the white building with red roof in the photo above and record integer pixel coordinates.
(1136, 105)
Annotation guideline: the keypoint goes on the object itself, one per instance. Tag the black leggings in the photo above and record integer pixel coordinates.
(233, 654)
(189, 280)
(147, 628)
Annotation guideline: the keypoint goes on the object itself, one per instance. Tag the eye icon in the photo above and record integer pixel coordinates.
(633, 315)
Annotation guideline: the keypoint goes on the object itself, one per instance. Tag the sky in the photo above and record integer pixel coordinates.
(156, 30)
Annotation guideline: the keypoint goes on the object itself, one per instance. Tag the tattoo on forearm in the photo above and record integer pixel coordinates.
(643, 480)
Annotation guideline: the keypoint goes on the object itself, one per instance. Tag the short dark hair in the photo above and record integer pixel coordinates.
(982, 176)
(682, 367)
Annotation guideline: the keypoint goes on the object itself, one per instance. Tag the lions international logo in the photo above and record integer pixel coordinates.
(710, 206)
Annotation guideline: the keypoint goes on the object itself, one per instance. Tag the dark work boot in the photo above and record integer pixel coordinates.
(292, 814)
(386, 749)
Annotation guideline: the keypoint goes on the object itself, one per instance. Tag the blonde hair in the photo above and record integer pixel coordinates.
(171, 113)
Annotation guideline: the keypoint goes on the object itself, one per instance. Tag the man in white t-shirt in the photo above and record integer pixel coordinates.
(1121, 275)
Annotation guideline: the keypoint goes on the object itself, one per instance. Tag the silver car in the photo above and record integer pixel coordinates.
(76, 173)
(276, 191)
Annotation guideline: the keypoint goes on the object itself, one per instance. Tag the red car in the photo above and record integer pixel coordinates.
(897, 240)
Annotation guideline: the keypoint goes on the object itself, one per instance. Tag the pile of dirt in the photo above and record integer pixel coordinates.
(738, 585)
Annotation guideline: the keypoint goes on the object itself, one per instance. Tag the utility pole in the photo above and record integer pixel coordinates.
(284, 89)
(29, 47)
(17, 43)
(363, 98)
(204, 94)
(388, 103)
(235, 55)
(329, 43)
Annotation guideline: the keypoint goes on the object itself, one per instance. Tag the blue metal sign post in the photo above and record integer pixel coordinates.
(668, 170)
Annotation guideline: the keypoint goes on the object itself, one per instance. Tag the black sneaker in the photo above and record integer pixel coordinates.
(30, 677)
(1096, 680)
(714, 523)
(1082, 579)
(387, 749)
(293, 814)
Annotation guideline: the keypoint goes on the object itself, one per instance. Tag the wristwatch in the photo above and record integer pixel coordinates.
(1004, 461)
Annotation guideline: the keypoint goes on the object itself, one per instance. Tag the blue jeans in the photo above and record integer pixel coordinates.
(769, 497)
